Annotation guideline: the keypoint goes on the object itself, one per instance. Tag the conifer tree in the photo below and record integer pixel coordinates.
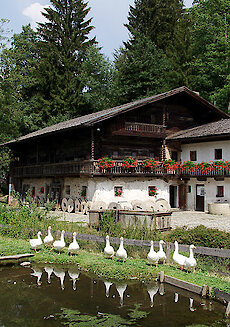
(64, 39)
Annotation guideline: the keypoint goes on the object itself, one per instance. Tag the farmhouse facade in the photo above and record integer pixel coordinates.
(63, 161)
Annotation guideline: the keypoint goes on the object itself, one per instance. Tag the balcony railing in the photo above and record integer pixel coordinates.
(139, 129)
(92, 168)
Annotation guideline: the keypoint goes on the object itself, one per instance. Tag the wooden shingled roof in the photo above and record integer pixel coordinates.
(96, 117)
(219, 128)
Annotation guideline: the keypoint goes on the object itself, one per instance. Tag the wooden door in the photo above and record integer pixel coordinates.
(200, 197)
(173, 196)
(182, 196)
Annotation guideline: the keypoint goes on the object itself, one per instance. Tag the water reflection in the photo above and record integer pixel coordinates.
(74, 274)
(107, 287)
(37, 272)
(60, 273)
(154, 304)
(152, 289)
(121, 288)
(49, 270)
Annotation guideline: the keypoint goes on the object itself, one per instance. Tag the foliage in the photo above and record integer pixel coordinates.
(171, 164)
(64, 40)
(97, 73)
(74, 318)
(18, 85)
(150, 163)
(200, 236)
(109, 225)
(141, 69)
(153, 191)
(106, 163)
(208, 67)
(129, 163)
(188, 166)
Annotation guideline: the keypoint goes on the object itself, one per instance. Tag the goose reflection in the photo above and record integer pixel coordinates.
(191, 308)
(176, 297)
(121, 288)
(107, 287)
(74, 274)
(49, 271)
(152, 289)
(162, 289)
(60, 273)
(37, 272)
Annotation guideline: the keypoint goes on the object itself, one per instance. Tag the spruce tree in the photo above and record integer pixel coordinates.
(64, 40)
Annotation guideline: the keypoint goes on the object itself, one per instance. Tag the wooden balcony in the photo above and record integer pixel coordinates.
(140, 129)
(92, 168)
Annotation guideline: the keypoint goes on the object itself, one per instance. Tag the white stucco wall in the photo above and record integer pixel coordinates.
(206, 150)
(102, 188)
(210, 192)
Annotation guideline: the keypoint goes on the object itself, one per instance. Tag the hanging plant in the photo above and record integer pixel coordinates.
(106, 163)
(150, 164)
(189, 166)
(129, 163)
(204, 167)
(153, 191)
(171, 164)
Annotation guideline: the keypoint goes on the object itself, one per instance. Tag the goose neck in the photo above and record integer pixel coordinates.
(191, 253)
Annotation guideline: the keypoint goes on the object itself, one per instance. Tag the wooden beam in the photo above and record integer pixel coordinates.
(16, 257)
(92, 144)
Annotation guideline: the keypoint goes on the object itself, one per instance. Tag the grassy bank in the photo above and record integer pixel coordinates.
(112, 269)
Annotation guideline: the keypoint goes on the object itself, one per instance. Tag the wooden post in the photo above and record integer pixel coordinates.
(227, 312)
(92, 144)
(162, 276)
(163, 157)
(168, 253)
(204, 291)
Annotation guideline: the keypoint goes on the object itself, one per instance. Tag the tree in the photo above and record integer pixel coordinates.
(97, 75)
(151, 61)
(18, 85)
(156, 19)
(142, 69)
(209, 67)
(62, 49)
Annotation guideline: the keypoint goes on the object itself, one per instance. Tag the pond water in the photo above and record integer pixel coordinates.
(29, 297)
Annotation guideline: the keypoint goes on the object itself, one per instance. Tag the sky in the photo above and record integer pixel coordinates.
(109, 17)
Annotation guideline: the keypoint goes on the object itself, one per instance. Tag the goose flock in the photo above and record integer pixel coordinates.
(153, 257)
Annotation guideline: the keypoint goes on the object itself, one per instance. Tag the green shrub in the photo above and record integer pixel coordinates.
(200, 236)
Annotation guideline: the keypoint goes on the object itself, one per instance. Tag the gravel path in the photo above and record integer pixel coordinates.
(194, 218)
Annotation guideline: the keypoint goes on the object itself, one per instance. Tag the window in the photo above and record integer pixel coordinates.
(218, 154)
(152, 191)
(189, 190)
(67, 190)
(220, 192)
(83, 191)
(193, 156)
(174, 155)
(118, 190)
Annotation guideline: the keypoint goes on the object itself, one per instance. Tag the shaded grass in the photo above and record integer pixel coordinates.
(97, 264)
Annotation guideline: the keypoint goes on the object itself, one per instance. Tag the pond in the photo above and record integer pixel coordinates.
(56, 296)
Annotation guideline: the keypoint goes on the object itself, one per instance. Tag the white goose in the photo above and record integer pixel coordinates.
(108, 250)
(176, 297)
(49, 238)
(161, 254)
(152, 256)
(74, 275)
(191, 308)
(152, 290)
(59, 245)
(190, 263)
(178, 258)
(74, 246)
(121, 252)
(49, 271)
(36, 242)
(107, 287)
